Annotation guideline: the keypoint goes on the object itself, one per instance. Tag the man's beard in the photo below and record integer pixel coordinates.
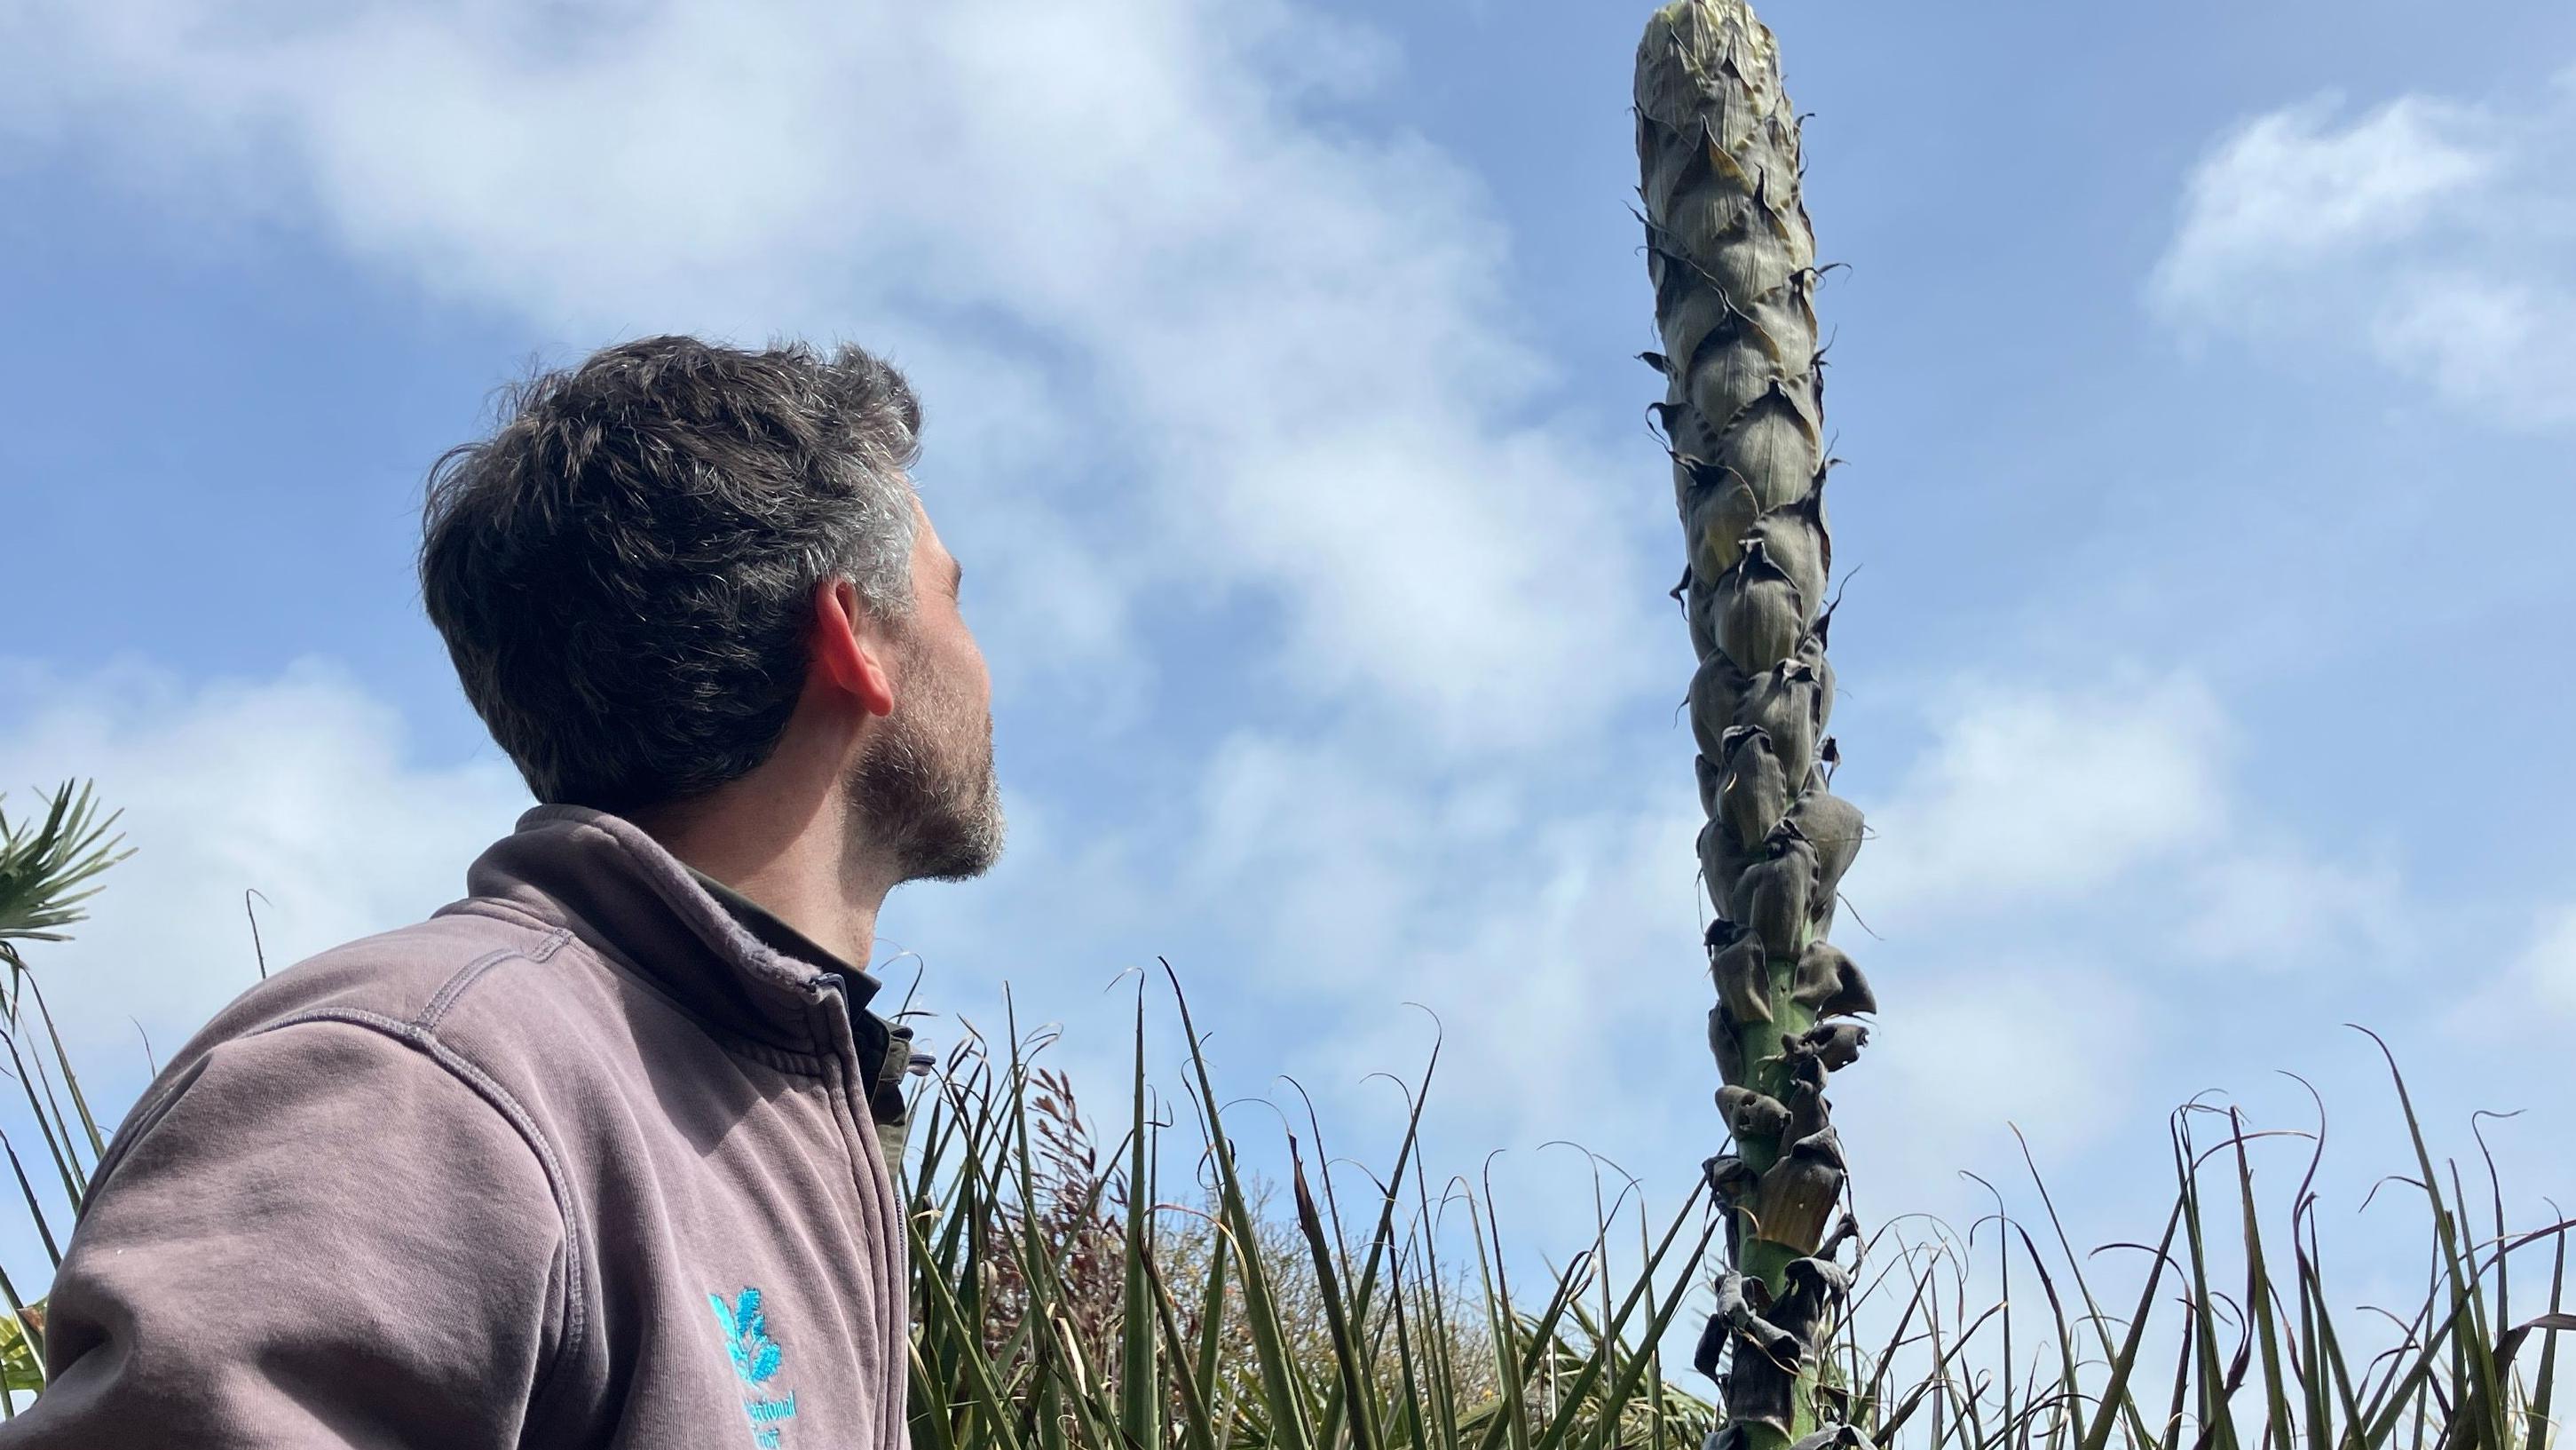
(931, 804)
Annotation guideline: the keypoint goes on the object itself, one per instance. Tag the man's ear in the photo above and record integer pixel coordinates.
(849, 648)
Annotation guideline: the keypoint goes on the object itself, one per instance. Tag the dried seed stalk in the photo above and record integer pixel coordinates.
(1732, 258)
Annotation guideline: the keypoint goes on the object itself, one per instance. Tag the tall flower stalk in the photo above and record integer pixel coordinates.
(1732, 258)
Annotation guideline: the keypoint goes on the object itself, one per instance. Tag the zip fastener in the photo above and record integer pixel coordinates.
(831, 1003)
(877, 1203)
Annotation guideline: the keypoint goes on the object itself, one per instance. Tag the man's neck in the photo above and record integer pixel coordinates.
(798, 864)
(814, 906)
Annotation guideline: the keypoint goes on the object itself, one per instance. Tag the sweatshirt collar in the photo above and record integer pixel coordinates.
(616, 887)
(772, 931)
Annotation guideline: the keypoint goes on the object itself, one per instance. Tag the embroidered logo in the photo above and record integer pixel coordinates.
(755, 1359)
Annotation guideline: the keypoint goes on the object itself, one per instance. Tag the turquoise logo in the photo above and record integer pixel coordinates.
(755, 1359)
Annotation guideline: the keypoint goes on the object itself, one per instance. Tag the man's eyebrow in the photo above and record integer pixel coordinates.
(956, 574)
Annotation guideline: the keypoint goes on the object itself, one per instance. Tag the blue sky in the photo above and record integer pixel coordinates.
(2204, 374)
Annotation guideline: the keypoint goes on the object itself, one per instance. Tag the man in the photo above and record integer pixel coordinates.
(593, 1156)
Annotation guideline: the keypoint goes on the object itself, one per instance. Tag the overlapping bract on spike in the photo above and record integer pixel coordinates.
(1732, 259)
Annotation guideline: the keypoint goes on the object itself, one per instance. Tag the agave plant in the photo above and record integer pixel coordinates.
(1732, 259)
(49, 866)
(47, 869)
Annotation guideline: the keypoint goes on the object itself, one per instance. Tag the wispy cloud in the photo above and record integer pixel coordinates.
(1231, 409)
(2535, 990)
(2036, 792)
(2270, 901)
(1288, 345)
(299, 788)
(2293, 187)
(1204, 362)
(2084, 799)
(2036, 1042)
(2437, 237)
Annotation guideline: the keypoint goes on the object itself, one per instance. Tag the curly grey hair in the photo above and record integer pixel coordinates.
(624, 571)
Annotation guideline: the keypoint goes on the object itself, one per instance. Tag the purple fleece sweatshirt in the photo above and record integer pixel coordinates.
(579, 1161)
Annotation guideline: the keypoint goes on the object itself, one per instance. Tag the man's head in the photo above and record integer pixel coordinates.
(664, 552)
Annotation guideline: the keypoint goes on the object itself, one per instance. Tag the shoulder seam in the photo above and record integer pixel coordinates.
(421, 1039)
(456, 986)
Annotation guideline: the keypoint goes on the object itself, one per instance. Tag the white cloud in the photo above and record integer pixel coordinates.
(1295, 337)
(1188, 343)
(1559, 951)
(2277, 904)
(2498, 341)
(2536, 990)
(2433, 236)
(2050, 1045)
(2034, 793)
(1324, 885)
(2082, 802)
(1177, 335)
(297, 788)
(2290, 187)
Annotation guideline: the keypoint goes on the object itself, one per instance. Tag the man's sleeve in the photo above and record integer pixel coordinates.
(325, 1238)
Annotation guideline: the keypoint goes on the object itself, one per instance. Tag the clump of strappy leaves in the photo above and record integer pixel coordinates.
(1206, 1320)
(50, 863)
(1067, 1295)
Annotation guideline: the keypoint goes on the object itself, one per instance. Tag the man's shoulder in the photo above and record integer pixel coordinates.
(399, 988)
(520, 1005)
(413, 976)
(491, 992)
